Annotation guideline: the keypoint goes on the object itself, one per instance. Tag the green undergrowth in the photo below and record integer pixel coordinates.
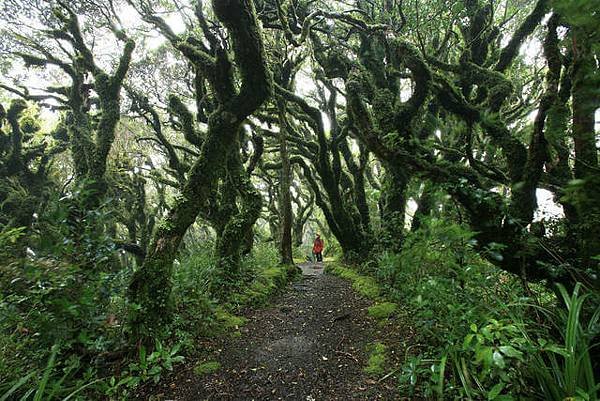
(382, 310)
(203, 314)
(262, 287)
(52, 340)
(267, 282)
(475, 331)
(369, 288)
(226, 321)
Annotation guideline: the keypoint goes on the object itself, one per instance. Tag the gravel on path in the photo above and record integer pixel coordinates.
(308, 345)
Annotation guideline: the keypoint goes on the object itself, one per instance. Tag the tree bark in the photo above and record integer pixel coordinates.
(235, 233)
(150, 287)
(584, 103)
(424, 207)
(393, 196)
(285, 198)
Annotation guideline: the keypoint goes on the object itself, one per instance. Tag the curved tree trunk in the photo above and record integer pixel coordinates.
(150, 287)
(234, 237)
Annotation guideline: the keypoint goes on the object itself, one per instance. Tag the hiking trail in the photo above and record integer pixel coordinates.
(308, 344)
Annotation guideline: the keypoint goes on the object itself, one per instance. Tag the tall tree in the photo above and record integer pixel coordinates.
(150, 286)
(93, 105)
(444, 113)
(285, 188)
(23, 166)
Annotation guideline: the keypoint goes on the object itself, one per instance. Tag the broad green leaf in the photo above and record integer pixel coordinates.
(498, 359)
(511, 351)
(495, 391)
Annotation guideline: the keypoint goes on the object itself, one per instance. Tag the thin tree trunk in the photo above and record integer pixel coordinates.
(394, 207)
(285, 197)
(584, 102)
(424, 207)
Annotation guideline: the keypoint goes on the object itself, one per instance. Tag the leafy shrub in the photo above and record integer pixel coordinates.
(150, 367)
(490, 361)
(9, 237)
(45, 301)
(56, 381)
(477, 327)
(566, 371)
(69, 231)
(48, 303)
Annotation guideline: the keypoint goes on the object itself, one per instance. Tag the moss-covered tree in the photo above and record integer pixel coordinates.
(92, 100)
(24, 163)
(150, 286)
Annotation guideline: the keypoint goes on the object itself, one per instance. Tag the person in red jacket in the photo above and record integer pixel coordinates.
(318, 248)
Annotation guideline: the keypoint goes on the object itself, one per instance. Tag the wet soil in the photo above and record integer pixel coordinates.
(309, 344)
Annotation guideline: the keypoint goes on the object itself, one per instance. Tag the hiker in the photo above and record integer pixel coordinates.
(318, 248)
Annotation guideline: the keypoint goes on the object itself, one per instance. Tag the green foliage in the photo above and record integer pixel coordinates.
(71, 230)
(565, 371)
(416, 369)
(30, 124)
(580, 13)
(150, 367)
(481, 336)
(8, 237)
(51, 383)
(457, 302)
(332, 248)
(42, 303)
(490, 361)
(300, 253)
(63, 279)
(227, 321)
(44, 382)
(16, 202)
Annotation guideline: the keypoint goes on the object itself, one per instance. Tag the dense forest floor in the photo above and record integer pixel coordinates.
(311, 343)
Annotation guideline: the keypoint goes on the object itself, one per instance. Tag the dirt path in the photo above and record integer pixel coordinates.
(308, 345)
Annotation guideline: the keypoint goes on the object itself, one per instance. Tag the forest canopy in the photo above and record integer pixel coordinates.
(156, 155)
